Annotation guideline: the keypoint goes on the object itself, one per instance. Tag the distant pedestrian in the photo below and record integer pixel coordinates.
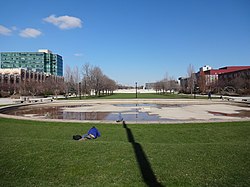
(209, 95)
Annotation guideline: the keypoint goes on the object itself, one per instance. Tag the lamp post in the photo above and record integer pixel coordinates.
(196, 88)
(80, 90)
(85, 88)
(135, 89)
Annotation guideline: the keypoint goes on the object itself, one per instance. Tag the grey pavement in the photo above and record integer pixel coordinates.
(6, 101)
(177, 110)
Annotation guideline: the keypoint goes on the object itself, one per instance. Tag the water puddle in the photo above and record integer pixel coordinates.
(241, 113)
(129, 112)
(133, 113)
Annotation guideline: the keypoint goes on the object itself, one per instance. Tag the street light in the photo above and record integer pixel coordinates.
(85, 88)
(135, 89)
(80, 90)
(196, 88)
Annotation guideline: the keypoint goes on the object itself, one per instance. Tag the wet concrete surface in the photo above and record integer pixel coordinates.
(163, 111)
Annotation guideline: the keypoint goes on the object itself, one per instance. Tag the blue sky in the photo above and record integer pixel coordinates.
(131, 40)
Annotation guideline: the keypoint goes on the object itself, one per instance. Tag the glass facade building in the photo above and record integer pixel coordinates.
(42, 61)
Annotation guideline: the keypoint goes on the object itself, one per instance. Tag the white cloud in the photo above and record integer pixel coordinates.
(14, 28)
(5, 31)
(30, 33)
(64, 22)
(78, 54)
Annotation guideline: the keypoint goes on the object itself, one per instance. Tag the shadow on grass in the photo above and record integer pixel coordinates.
(145, 167)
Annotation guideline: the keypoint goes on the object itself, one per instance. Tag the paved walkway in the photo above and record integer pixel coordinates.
(6, 101)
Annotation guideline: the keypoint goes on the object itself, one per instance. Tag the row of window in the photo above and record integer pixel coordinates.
(22, 58)
(234, 75)
(21, 54)
(22, 66)
(21, 62)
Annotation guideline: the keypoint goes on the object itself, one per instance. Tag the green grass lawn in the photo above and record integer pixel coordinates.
(44, 154)
(142, 96)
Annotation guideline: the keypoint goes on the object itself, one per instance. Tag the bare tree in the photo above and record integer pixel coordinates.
(168, 84)
(72, 85)
(92, 79)
(86, 83)
(108, 85)
(112, 86)
(76, 77)
(67, 73)
(157, 87)
(30, 88)
(76, 74)
(96, 79)
(72, 79)
(191, 78)
(67, 78)
(202, 82)
(173, 84)
(164, 85)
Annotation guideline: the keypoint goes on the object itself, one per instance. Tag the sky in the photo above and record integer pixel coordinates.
(131, 40)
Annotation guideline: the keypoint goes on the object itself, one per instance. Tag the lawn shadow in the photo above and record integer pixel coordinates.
(141, 158)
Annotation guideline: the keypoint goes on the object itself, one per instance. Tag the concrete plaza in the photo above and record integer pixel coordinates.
(170, 110)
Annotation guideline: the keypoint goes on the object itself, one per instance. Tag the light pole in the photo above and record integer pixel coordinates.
(85, 88)
(80, 90)
(135, 89)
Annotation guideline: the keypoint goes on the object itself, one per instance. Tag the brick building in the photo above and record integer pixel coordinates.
(17, 80)
(207, 78)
